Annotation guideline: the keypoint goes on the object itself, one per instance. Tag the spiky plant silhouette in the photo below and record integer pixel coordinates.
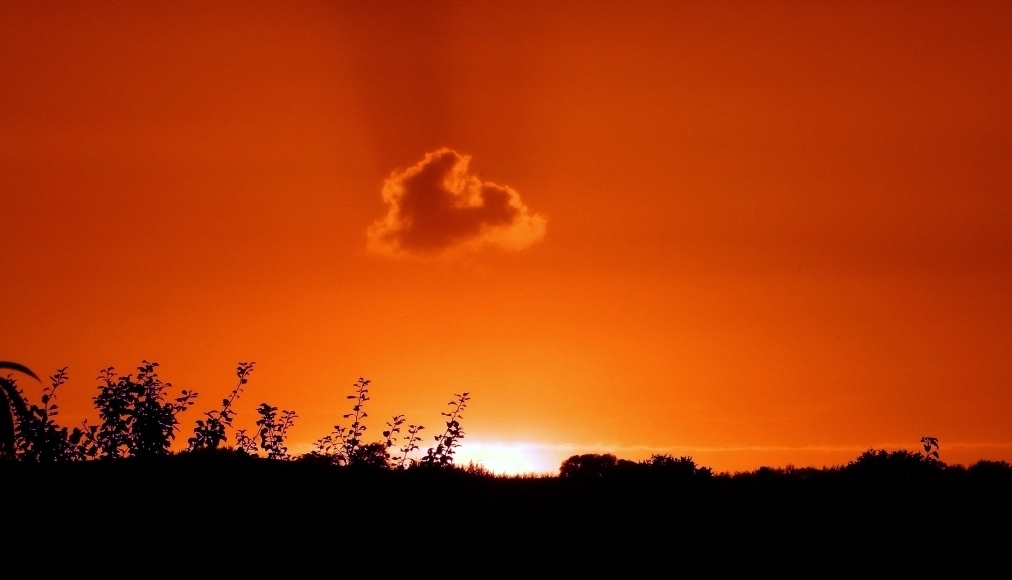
(13, 409)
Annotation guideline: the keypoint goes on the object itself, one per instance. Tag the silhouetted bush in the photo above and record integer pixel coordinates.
(137, 419)
(40, 438)
(272, 430)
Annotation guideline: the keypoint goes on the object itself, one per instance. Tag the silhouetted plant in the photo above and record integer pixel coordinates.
(393, 428)
(244, 443)
(137, 420)
(37, 436)
(442, 454)
(357, 429)
(377, 454)
(272, 430)
(333, 446)
(410, 445)
(210, 433)
(84, 442)
(13, 410)
(930, 448)
(40, 438)
(344, 446)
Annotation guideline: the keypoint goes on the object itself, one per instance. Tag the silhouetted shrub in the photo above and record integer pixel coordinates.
(371, 455)
(137, 420)
(40, 438)
(272, 430)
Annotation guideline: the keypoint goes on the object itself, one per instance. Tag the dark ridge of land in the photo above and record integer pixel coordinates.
(226, 499)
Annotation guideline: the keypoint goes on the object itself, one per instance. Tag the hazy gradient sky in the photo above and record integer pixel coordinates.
(754, 233)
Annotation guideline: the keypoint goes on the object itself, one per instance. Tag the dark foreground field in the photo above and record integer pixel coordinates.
(223, 499)
(112, 491)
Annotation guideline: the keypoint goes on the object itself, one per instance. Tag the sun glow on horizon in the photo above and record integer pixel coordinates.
(504, 458)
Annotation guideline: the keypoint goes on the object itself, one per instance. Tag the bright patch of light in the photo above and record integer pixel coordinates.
(505, 458)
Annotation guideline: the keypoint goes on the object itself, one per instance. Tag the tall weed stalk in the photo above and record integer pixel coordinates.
(446, 444)
(210, 432)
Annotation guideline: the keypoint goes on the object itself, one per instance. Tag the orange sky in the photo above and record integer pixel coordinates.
(754, 233)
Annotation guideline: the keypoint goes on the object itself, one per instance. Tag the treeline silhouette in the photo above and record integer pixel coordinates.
(121, 474)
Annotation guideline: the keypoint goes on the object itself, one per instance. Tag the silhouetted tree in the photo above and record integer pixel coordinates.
(992, 470)
(902, 464)
(372, 455)
(677, 468)
(589, 465)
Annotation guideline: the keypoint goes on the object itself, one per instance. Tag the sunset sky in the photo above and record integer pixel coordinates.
(756, 233)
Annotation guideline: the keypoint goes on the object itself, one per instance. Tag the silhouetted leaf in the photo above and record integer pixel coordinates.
(18, 367)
